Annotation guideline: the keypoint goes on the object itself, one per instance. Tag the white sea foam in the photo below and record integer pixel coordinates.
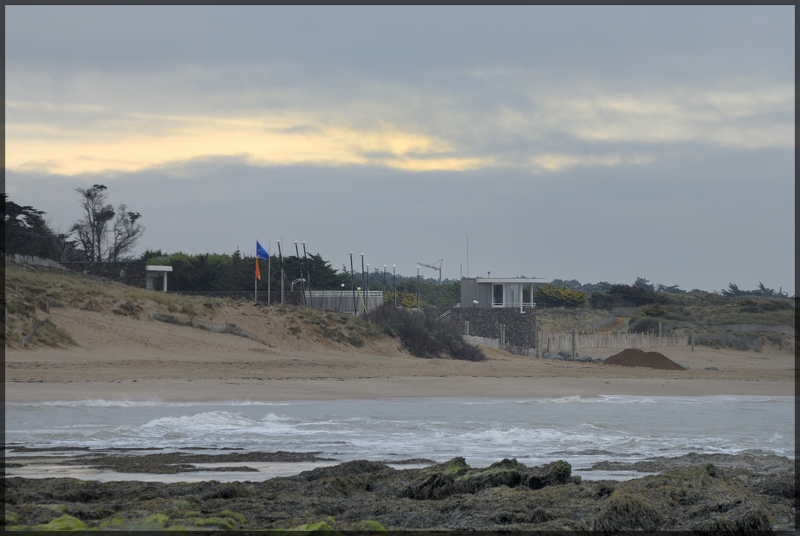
(627, 427)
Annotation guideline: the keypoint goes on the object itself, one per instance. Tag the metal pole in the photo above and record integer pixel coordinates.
(573, 344)
(394, 277)
(302, 281)
(280, 257)
(269, 271)
(341, 293)
(418, 305)
(363, 278)
(367, 301)
(383, 292)
(308, 274)
(353, 279)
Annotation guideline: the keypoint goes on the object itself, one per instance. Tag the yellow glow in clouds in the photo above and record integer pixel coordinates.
(144, 141)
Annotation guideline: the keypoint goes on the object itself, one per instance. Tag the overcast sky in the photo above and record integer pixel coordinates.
(589, 143)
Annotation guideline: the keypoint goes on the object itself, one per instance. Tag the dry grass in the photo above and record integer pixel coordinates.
(580, 319)
(31, 291)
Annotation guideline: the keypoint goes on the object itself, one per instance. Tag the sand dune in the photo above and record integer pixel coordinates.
(121, 356)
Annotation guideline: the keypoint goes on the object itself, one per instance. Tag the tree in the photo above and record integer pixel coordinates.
(641, 282)
(26, 233)
(99, 243)
(555, 296)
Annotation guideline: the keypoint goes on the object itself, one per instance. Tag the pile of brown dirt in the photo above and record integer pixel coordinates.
(633, 357)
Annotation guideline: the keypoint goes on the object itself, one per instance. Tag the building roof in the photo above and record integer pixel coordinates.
(156, 268)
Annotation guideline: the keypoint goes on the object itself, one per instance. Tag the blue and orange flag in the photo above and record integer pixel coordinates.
(260, 252)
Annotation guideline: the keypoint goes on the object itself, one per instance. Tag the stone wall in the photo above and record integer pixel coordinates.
(520, 327)
(129, 273)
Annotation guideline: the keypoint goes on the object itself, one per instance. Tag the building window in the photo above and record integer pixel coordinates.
(497, 300)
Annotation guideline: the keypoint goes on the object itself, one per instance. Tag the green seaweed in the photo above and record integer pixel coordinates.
(160, 520)
(221, 522)
(234, 515)
(114, 522)
(65, 522)
(10, 517)
(372, 526)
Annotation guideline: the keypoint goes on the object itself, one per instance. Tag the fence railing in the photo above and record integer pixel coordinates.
(216, 327)
(750, 328)
(750, 343)
(563, 342)
(24, 341)
(333, 300)
(598, 324)
(35, 261)
(558, 342)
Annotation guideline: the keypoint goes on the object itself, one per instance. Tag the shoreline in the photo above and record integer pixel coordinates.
(398, 387)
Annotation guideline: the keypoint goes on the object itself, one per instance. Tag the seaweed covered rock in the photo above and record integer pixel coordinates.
(456, 477)
(696, 498)
(752, 494)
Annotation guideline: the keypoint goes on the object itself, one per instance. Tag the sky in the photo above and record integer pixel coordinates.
(579, 142)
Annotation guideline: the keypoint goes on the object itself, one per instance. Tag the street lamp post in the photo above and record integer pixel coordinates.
(280, 256)
(418, 304)
(297, 256)
(353, 285)
(363, 278)
(308, 274)
(339, 308)
(472, 316)
(300, 280)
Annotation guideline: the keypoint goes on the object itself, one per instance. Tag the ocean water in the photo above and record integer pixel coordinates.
(534, 431)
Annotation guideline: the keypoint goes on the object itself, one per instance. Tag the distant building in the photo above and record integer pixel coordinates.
(497, 292)
(153, 272)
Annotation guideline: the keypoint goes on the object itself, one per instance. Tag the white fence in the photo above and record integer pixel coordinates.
(35, 261)
(486, 341)
(563, 341)
(342, 300)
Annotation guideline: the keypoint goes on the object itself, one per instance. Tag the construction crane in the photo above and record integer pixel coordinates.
(439, 268)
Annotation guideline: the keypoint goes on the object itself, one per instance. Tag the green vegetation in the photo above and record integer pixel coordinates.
(26, 233)
(553, 296)
(31, 291)
(422, 335)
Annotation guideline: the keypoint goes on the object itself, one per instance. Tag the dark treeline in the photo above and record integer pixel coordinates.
(223, 272)
(26, 232)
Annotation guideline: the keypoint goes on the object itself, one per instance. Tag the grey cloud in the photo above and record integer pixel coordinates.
(708, 218)
(400, 41)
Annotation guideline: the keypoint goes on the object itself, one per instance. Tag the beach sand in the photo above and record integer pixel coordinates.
(123, 357)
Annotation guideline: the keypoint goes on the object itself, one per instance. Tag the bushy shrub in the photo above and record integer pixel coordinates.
(653, 310)
(422, 335)
(625, 296)
(553, 296)
(643, 325)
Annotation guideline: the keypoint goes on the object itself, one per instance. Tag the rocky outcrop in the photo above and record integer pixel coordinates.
(750, 493)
